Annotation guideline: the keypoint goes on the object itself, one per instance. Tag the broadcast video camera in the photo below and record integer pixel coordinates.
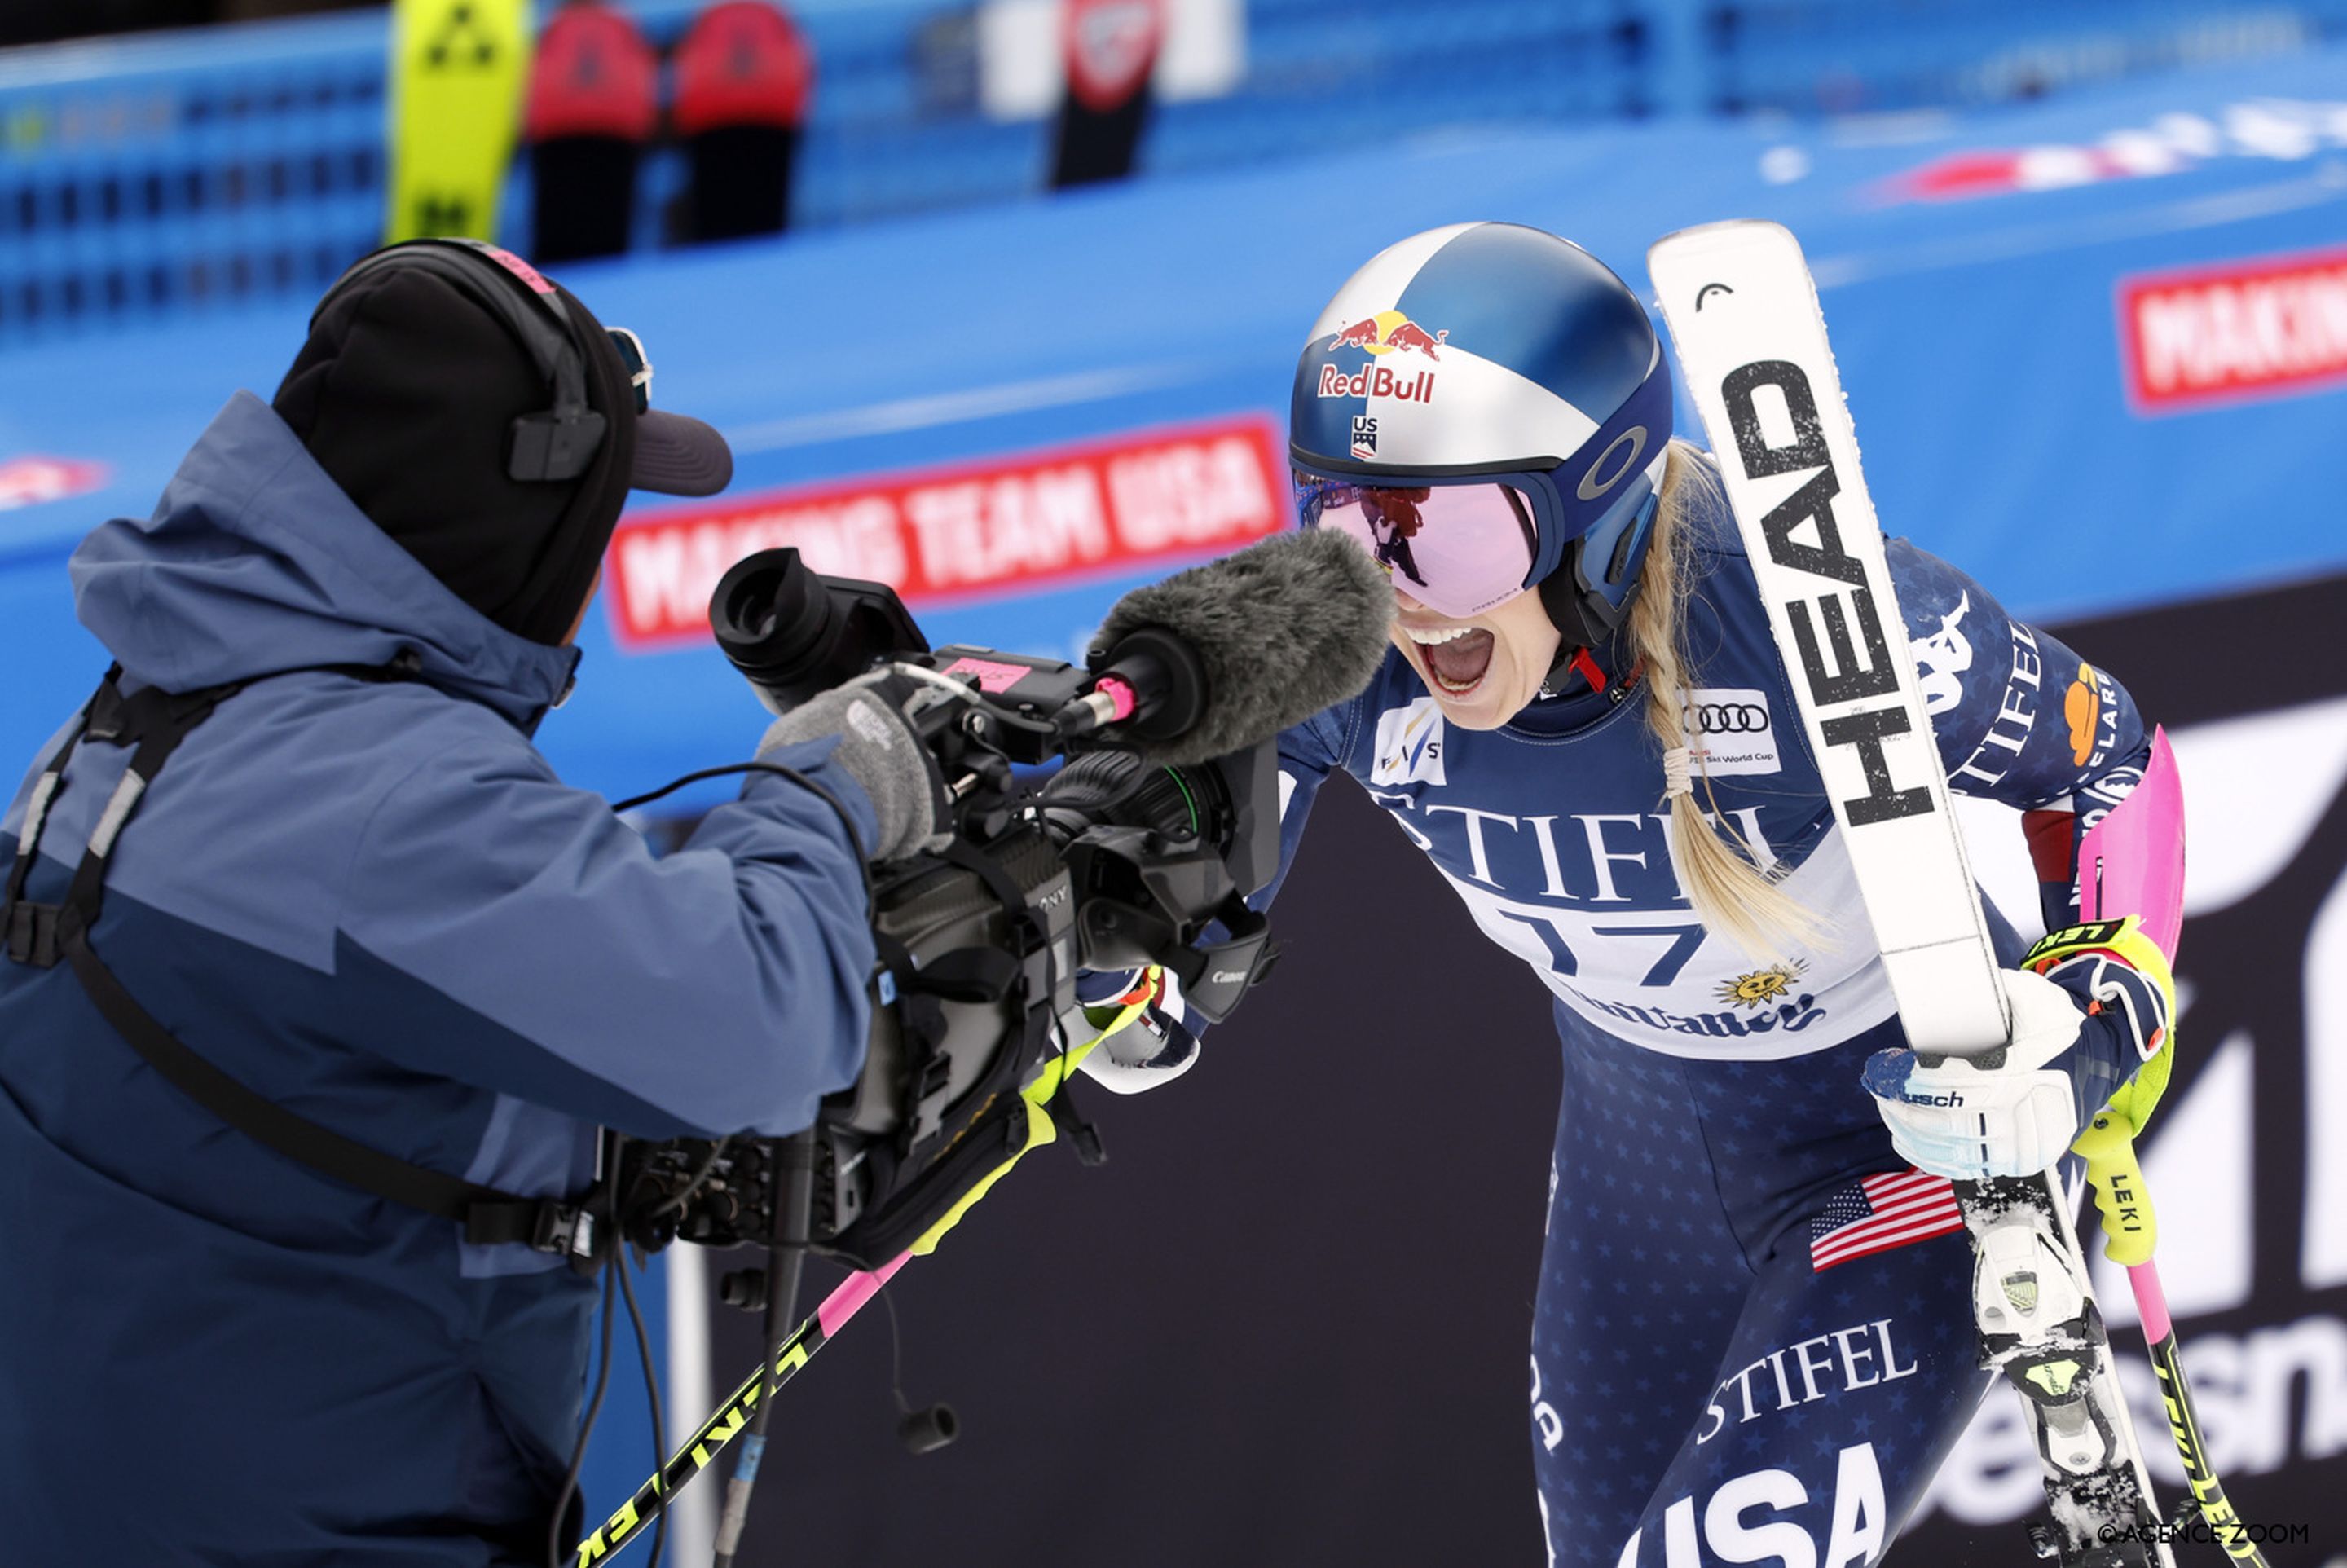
(1140, 848)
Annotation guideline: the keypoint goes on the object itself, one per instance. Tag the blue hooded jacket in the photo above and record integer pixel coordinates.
(375, 904)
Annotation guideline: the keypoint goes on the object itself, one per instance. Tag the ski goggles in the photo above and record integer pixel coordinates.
(1459, 550)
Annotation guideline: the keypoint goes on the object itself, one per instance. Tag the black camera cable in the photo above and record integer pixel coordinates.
(830, 799)
(785, 1259)
(555, 1555)
(616, 1265)
(929, 1428)
(651, 1381)
(678, 1201)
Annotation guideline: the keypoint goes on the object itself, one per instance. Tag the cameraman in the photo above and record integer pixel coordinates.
(303, 1071)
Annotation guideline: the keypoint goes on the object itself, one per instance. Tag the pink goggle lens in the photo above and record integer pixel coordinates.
(1458, 550)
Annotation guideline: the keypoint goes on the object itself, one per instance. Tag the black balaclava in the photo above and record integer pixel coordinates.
(406, 392)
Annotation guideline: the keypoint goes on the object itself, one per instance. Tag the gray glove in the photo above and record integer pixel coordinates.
(881, 753)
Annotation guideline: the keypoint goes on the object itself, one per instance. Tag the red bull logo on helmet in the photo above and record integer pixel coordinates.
(1385, 332)
(1409, 334)
(1377, 380)
(1388, 331)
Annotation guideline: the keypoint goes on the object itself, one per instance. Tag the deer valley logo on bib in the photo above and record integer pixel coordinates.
(1409, 746)
(1739, 732)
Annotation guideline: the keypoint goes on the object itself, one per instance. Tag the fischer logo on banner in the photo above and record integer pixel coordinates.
(28, 481)
(2244, 329)
(1002, 525)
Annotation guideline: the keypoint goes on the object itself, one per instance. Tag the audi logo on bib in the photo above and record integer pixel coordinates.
(1735, 729)
(1731, 718)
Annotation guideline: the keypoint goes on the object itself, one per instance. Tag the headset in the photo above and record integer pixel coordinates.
(555, 444)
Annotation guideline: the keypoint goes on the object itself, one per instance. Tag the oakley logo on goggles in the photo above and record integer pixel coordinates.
(1458, 550)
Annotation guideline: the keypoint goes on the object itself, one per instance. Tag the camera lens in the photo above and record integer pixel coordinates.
(1115, 788)
(753, 608)
(770, 616)
(793, 631)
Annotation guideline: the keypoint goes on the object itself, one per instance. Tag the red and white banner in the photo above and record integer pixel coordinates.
(2284, 130)
(1007, 524)
(2243, 329)
(27, 481)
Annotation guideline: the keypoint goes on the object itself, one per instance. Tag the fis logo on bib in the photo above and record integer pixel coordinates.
(1739, 732)
(1409, 746)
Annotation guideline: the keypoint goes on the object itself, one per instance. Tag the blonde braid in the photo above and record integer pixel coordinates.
(1730, 892)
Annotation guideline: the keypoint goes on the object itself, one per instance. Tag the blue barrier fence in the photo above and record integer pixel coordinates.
(147, 176)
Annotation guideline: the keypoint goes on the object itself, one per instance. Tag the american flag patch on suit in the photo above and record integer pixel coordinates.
(1887, 1209)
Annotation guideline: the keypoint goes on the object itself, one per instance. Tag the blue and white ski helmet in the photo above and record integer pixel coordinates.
(1491, 352)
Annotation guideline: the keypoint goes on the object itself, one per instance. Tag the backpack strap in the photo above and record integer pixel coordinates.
(154, 721)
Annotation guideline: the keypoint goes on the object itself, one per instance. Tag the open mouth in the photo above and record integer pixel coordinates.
(1457, 657)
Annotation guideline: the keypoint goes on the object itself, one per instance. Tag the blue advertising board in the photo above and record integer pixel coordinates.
(1976, 270)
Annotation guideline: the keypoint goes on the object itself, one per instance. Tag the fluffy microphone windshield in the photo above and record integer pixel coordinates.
(1288, 626)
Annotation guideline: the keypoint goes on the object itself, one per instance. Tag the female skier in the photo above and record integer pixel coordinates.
(1753, 1336)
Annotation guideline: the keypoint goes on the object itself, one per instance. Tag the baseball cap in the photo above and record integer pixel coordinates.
(412, 390)
(676, 454)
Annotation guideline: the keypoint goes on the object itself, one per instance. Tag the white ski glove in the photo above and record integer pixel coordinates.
(2092, 1006)
(1152, 1049)
(1967, 1119)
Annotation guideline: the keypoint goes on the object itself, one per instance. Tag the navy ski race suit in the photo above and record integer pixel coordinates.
(374, 903)
(1752, 1335)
